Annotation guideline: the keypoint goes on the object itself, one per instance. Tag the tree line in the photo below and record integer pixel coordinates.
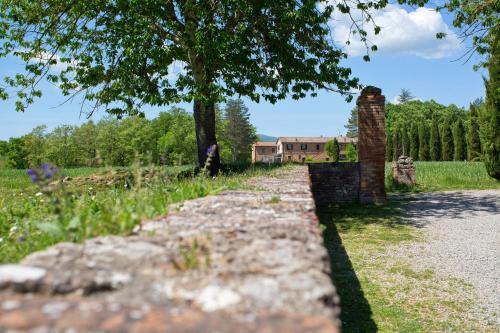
(168, 139)
(429, 131)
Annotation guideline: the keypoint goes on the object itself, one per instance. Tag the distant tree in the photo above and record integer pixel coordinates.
(435, 141)
(34, 143)
(473, 139)
(351, 153)
(405, 96)
(61, 148)
(490, 115)
(17, 154)
(177, 145)
(413, 142)
(423, 142)
(238, 130)
(332, 148)
(459, 144)
(388, 147)
(446, 142)
(85, 139)
(352, 124)
(405, 141)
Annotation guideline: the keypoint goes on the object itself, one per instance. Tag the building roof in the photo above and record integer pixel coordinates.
(265, 144)
(318, 139)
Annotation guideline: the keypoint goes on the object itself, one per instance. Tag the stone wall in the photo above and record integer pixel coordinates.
(240, 261)
(363, 181)
(334, 182)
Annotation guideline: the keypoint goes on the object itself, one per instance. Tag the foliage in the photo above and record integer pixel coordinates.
(168, 139)
(490, 114)
(405, 141)
(388, 146)
(422, 125)
(459, 144)
(473, 139)
(352, 124)
(238, 131)
(396, 145)
(446, 142)
(405, 96)
(351, 153)
(332, 148)
(423, 142)
(413, 138)
(435, 141)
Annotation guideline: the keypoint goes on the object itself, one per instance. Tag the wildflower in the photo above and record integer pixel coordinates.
(33, 174)
(1, 239)
(38, 194)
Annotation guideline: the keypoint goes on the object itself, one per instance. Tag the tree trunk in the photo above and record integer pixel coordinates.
(204, 118)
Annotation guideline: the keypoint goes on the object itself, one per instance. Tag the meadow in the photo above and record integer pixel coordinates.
(442, 176)
(33, 218)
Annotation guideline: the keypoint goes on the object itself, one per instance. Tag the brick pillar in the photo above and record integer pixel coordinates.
(371, 145)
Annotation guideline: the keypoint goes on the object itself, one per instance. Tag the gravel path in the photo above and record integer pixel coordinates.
(462, 232)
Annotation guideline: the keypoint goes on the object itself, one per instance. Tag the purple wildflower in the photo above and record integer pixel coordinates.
(33, 175)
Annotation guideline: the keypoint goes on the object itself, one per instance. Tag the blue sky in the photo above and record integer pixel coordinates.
(409, 57)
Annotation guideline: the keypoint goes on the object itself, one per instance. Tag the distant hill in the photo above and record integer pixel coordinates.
(267, 138)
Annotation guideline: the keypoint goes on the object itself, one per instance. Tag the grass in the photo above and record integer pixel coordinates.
(378, 288)
(441, 176)
(31, 221)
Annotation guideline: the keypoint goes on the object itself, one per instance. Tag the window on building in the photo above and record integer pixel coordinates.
(317, 147)
(273, 150)
(289, 158)
(303, 146)
(289, 146)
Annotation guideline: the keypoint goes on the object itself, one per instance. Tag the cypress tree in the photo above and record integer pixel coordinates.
(414, 142)
(405, 142)
(458, 141)
(446, 141)
(388, 146)
(423, 141)
(490, 115)
(435, 142)
(473, 141)
(395, 145)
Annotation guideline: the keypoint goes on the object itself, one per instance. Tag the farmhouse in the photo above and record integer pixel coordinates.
(297, 149)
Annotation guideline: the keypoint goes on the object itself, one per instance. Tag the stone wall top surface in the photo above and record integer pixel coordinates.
(241, 261)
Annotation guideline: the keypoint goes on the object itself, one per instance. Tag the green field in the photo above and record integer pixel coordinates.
(31, 221)
(438, 176)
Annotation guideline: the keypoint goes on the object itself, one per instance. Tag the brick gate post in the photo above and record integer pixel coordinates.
(371, 145)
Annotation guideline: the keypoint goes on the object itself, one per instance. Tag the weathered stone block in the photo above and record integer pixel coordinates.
(403, 171)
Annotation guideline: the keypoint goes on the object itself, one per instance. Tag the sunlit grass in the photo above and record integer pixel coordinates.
(31, 221)
(437, 176)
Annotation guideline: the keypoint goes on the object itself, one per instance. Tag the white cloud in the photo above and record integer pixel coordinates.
(403, 32)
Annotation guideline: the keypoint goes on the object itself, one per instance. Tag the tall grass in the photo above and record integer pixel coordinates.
(437, 176)
(31, 221)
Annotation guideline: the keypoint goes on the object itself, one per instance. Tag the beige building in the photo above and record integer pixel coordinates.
(264, 152)
(297, 149)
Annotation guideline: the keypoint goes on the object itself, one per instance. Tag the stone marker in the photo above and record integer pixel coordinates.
(241, 261)
(403, 171)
